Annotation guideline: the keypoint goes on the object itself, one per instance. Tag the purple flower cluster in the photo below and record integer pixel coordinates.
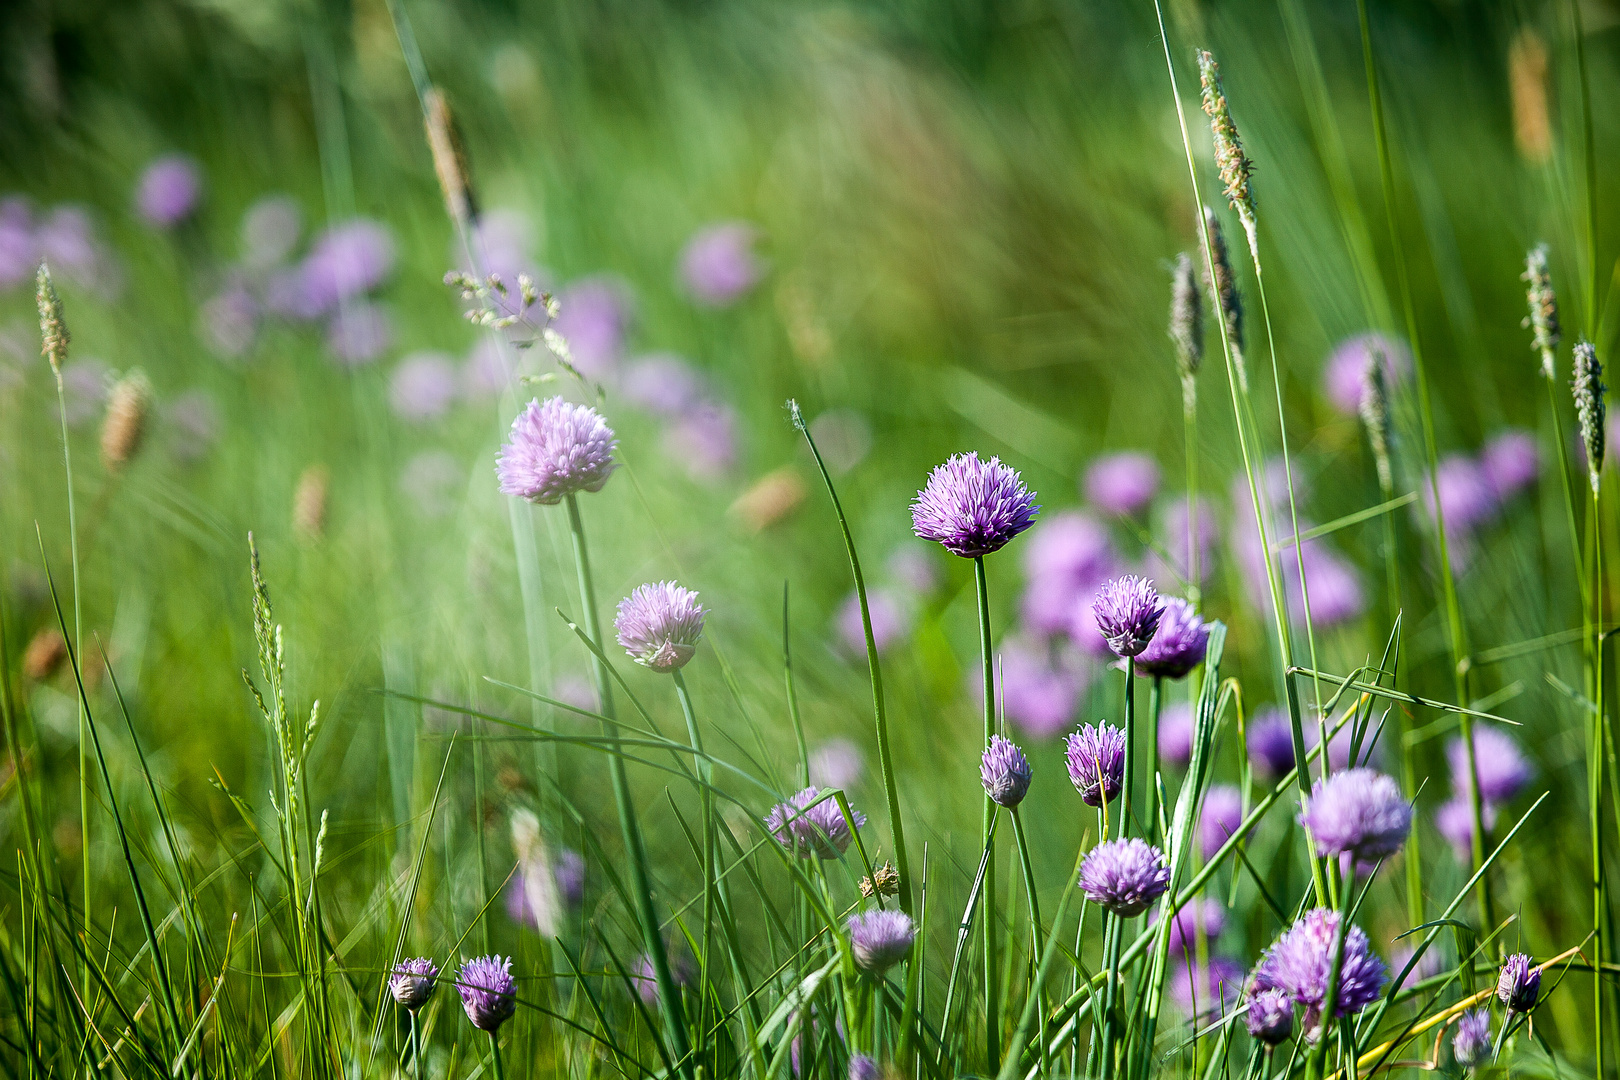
(1067, 557)
(880, 939)
(1344, 380)
(1474, 492)
(1128, 610)
(1301, 960)
(1219, 817)
(488, 991)
(1472, 1041)
(1124, 876)
(412, 982)
(1271, 1016)
(169, 191)
(1518, 986)
(1096, 760)
(660, 625)
(817, 831)
(1271, 743)
(718, 265)
(1357, 812)
(1122, 484)
(973, 507)
(65, 237)
(1335, 589)
(1176, 729)
(837, 763)
(1205, 914)
(1503, 772)
(1005, 772)
(1179, 644)
(557, 449)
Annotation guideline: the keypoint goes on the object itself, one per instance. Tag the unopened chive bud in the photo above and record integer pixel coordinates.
(1589, 408)
(1186, 325)
(309, 503)
(1375, 414)
(1223, 286)
(1543, 317)
(128, 407)
(53, 329)
(449, 156)
(1230, 160)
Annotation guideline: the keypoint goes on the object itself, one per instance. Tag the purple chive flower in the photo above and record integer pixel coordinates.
(488, 991)
(1500, 763)
(862, 1067)
(229, 321)
(556, 450)
(360, 332)
(1219, 817)
(1345, 380)
(1174, 534)
(1096, 760)
(422, 387)
(718, 264)
(1359, 811)
(433, 481)
(593, 315)
(844, 438)
(346, 262)
(1124, 876)
(889, 622)
(1122, 484)
(1206, 991)
(1271, 1016)
(169, 191)
(645, 978)
(1301, 959)
(19, 249)
(1511, 461)
(1455, 821)
(659, 625)
(704, 441)
(1004, 771)
(1467, 495)
(1176, 734)
(663, 384)
(194, 420)
(67, 239)
(412, 982)
(1067, 557)
(973, 507)
(880, 939)
(569, 872)
(1178, 645)
(914, 569)
(1519, 984)
(270, 231)
(818, 832)
(1039, 683)
(1128, 611)
(1206, 914)
(837, 763)
(1472, 1040)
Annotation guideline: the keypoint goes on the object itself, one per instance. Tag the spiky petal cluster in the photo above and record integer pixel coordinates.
(1004, 771)
(1301, 959)
(1358, 811)
(812, 831)
(412, 982)
(1543, 317)
(1187, 325)
(1498, 762)
(1473, 1038)
(1096, 760)
(1230, 160)
(488, 991)
(1519, 984)
(973, 507)
(660, 624)
(1271, 1015)
(1124, 876)
(1127, 610)
(880, 939)
(1589, 407)
(1178, 645)
(557, 449)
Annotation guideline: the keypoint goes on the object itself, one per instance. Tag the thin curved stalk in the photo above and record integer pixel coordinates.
(992, 968)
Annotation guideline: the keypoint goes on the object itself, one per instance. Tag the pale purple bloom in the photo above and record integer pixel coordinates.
(1128, 611)
(914, 569)
(844, 438)
(1175, 536)
(286, 295)
(1301, 959)
(346, 262)
(718, 264)
(412, 982)
(1004, 772)
(1176, 734)
(575, 691)
(230, 320)
(488, 991)
(1335, 590)
(1206, 991)
(433, 480)
(1500, 764)
(659, 625)
(1358, 811)
(817, 832)
(169, 191)
(270, 231)
(593, 315)
(880, 939)
(67, 240)
(84, 386)
(1466, 494)
(837, 763)
(422, 386)
(1179, 644)
(1067, 557)
(1472, 1040)
(1271, 742)
(890, 622)
(1039, 683)
(360, 332)
(19, 250)
(704, 441)
(973, 507)
(1122, 484)
(1511, 462)
(663, 384)
(502, 239)
(1124, 876)
(1519, 984)
(862, 1067)
(557, 449)
(1096, 761)
(1271, 1016)
(1455, 821)
(681, 971)
(194, 418)
(483, 372)
(1220, 816)
(569, 872)
(1345, 379)
(1204, 914)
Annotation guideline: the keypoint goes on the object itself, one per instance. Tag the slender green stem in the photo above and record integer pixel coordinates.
(635, 850)
(1128, 780)
(705, 771)
(1330, 1004)
(416, 1046)
(1034, 913)
(1155, 704)
(1600, 905)
(1111, 1002)
(992, 969)
(495, 1057)
(78, 649)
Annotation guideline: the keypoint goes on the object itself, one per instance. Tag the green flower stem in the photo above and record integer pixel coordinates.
(1155, 703)
(1330, 1004)
(1129, 778)
(705, 770)
(416, 1046)
(635, 850)
(1034, 919)
(992, 970)
(495, 1057)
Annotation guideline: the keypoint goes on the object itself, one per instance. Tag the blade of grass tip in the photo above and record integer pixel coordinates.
(885, 757)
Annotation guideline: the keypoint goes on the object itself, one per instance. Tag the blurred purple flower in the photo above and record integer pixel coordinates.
(1466, 494)
(169, 191)
(574, 690)
(593, 316)
(347, 261)
(1040, 685)
(973, 507)
(1206, 991)
(1335, 590)
(19, 250)
(704, 441)
(67, 239)
(645, 978)
(433, 480)
(1206, 914)
(1472, 1041)
(1455, 821)
(194, 418)
(271, 228)
(1344, 381)
(862, 1067)
(1501, 765)
(1176, 734)
(422, 386)
(821, 831)
(914, 569)
(286, 295)
(880, 939)
(663, 384)
(1122, 483)
(359, 332)
(1511, 462)
(1067, 557)
(890, 622)
(1174, 533)
(84, 385)
(1084, 630)
(1360, 812)
(1271, 1016)
(501, 239)
(1271, 742)
(1301, 960)
(569, 870)
(718, 264)
(1220, 816)
(844, 438)
(230, 320)
(837, 763)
